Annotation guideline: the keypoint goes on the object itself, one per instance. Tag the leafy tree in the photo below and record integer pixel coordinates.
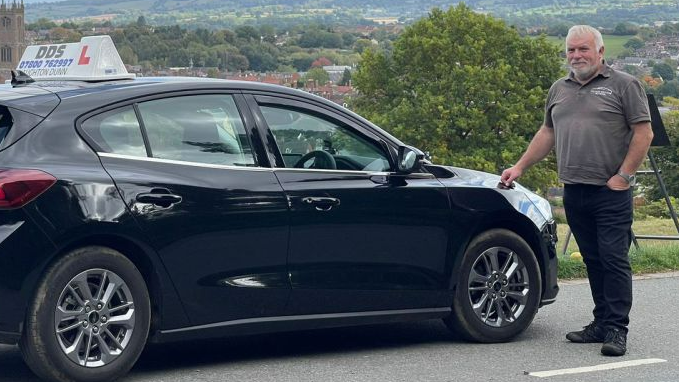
(362, 44)
(464, 87)
(559, 29)
(301, 61)
(346, 78)
(634, 43)
(41, 24)
(63, 35)
(212, 73)
(316, 37)
(263, 57)
(127, 55)
(668, 89)
(348, 39)
(321, 62)
(664, 71)
(631, 69)
(247, 32)
(318, 75)
(268, 33)
(623, 29)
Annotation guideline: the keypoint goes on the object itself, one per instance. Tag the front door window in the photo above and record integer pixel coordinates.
(307, 141)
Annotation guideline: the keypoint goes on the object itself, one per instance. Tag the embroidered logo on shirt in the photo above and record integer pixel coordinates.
(602, 91)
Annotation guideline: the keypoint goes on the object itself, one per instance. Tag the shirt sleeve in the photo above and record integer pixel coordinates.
(635, 103)
(547, 121)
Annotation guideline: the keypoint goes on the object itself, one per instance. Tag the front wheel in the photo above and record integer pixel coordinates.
(89, 318)
(498, 288)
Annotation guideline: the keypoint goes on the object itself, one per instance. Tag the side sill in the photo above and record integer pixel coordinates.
(261, 325)
(9, 338)
(547, 301)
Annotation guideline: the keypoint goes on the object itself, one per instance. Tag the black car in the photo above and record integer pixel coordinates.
(154, 210)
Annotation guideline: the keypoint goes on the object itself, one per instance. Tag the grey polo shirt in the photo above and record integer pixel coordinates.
(592, 124)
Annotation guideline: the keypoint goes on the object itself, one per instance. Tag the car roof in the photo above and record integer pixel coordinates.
(67, 89)
(91, 94)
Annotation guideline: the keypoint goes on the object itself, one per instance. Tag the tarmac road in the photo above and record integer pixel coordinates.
(423, 351)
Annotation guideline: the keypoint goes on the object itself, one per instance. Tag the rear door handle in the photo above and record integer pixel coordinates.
(159, 196)
(321, 203)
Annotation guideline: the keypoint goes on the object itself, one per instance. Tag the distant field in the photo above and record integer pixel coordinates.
(613, 44)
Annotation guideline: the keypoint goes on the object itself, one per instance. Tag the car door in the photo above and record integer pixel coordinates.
(361, 237)
(189, 169)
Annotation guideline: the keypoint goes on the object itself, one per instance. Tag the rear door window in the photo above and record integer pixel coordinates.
(202, 128)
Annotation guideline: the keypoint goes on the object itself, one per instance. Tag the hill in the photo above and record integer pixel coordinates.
(220, 13)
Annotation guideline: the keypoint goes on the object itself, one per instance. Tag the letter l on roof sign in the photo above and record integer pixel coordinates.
(84, 60)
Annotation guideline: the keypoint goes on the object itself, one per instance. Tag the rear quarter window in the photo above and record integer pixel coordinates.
(116, 132)
(14, 124)
(5, 122)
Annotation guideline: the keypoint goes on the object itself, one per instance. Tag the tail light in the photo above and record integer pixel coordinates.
(19, 187)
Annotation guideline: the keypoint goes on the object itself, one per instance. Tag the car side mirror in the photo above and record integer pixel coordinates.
(409, 159)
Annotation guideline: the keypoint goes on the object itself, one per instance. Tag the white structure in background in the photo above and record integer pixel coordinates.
(336, 72)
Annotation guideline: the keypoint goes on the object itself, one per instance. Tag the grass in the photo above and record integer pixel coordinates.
(652, 255)
(614, 44)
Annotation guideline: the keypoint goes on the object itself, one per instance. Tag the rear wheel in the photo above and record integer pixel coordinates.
(89, 319)
(498, 288)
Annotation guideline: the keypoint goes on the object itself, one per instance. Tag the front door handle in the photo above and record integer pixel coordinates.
(160, 197)
(321, 203)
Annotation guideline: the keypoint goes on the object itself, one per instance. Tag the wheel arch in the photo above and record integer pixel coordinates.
(516, 223)
(144, 259)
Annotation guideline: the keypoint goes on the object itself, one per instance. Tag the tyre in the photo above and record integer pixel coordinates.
(89, 318)
(498, 288)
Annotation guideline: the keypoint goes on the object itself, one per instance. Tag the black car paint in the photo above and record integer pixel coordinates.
(194, 294)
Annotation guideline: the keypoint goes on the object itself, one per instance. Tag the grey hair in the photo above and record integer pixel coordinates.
(583, 30)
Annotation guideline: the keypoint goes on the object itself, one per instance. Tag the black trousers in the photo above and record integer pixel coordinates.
(601, 221)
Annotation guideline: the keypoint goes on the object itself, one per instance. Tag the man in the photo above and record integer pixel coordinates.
(599, 120)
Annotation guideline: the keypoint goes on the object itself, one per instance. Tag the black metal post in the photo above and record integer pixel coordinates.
(663, 189)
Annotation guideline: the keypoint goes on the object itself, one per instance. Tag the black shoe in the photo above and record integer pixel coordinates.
(615, 343)
(589, 334)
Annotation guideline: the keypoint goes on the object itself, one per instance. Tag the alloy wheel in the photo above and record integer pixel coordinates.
(498, 287)
(94, 318)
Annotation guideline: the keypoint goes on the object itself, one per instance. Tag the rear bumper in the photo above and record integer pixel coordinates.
(23, 248)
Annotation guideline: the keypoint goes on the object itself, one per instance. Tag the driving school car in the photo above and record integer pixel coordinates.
(153, 210)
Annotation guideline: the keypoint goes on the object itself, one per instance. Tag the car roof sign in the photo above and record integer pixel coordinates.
(94, 58)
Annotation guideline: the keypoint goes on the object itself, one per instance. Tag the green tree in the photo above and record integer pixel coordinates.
(127, 55)
(346, 78)
(41, 24)
(362, 44)
(623, 29)
(669, 89)
(213, 73)
(318, 75)
(634, 43)
(263, 57)
(465, 87)
(664, 71)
